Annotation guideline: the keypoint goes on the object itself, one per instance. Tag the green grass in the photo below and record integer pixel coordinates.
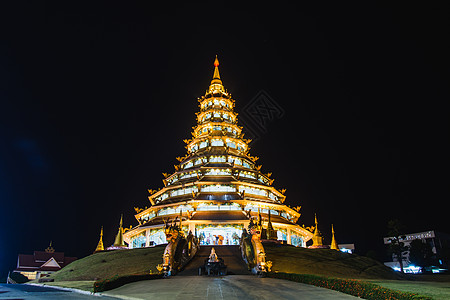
(358, 288)
(325, 262)
(436, 290)
(106, 264)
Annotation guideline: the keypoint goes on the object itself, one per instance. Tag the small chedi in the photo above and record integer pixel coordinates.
(119, 243)
(318, 238)
(100, 246)
(334, 244)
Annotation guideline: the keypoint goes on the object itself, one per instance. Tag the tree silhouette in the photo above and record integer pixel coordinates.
(396, 233)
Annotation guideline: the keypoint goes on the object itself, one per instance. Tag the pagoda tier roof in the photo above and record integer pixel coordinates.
(273, 218)
(214, 165)
(199, 216)
(214, 150)
(215, 95)
(224, 216)
(154, 221)
(218, 197)
(219, 216)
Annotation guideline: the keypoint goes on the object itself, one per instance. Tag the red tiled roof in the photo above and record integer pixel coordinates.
(44, 256)
(27, 262)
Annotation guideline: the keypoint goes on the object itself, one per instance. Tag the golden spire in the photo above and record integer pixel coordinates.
(216, 76)
(118, 242)
(317, 238)
(334, 244)
(216, 83)
(100, 242)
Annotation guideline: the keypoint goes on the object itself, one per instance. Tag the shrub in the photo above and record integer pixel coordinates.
(18, 278)
(117, 281)
(353, 287)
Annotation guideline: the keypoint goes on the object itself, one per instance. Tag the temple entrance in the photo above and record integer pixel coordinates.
(219, 235)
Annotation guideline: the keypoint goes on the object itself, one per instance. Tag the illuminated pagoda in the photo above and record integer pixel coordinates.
(217, 187)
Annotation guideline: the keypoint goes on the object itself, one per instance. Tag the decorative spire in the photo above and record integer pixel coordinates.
(216, 76)
(100, 242)
(216, 83)
(50, 249)
(118, 242)
(317, 238)
(334, 244)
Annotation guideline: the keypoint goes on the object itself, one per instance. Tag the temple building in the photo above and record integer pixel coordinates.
(217, 187)
(42, 263)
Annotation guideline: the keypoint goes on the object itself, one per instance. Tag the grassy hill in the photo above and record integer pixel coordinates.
(285, 258)
(106, 264)
(325, 262)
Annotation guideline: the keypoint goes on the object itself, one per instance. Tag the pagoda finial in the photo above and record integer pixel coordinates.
(119, 242)
(216, 83)
(216, 76)
(100, 246)
(216, 62)
(334, 244)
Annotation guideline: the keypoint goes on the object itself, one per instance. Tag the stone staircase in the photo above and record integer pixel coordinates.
(231, 255)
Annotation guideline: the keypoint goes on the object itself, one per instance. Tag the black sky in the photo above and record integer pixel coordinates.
(96, 100)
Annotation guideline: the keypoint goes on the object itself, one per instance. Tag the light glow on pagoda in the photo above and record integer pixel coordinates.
(217, 187)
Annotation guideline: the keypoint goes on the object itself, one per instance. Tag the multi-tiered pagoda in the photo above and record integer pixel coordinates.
(217, 187)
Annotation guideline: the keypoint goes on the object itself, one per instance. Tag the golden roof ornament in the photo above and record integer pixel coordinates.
(334, 244)
(50, 249)
(100, 246)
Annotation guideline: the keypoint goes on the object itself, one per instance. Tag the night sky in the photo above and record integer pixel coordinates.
(95, 102)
